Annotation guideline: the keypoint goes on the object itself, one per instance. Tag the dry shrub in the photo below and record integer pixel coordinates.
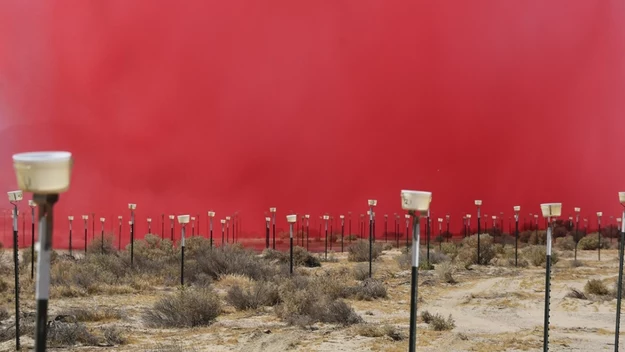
(359, 251)
(93, 314)
(61, 334)
(387, 246)
(450, 249)
(95, 274)
(405, 259)
(370, 330)
(261, 294)
(27, 328)
(437, 322)
(537, 237)
(98, 246)
(301, 257)
(368, 290)
(537, 255)
(596, 287)
(591, 242)
(151, 254)
(114, 336)
(575, 293)
(361, 271)
(576, 263)
(4, 286)
(184, 309)
(304, 304)
(566, 244)
(233, 259)
(4, 314)
(468, 252)
(437, 257)
(172, 347)
(445, 272)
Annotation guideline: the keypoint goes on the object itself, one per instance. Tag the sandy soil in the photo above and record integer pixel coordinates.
(495, 309)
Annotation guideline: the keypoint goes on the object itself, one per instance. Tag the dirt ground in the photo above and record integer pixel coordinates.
(494, 308)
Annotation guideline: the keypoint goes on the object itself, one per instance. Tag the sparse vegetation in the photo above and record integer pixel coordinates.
(437, 322)
(261, 293)
(184, 309)
(445, 272)
(591, 242)
(361, 271)
(371, 330)
(596, 287)
(61, 334)
(537, 255)
(468, 253)
(575, 293)
(301, 257)
(359, 251)
(368, 290)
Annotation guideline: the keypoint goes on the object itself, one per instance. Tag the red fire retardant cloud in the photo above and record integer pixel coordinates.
(316, 106)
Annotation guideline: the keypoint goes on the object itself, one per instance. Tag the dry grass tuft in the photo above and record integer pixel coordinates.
(575, 293)
(261, 294)
(359, 251)
(437, 322)
(371, 330)
(445, 272)
(596, 287)
(184, 309)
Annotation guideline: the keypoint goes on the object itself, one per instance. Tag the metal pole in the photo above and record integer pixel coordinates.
(102, 239)
(119, 241)
(171, 225)
(222, 233)
(182, 240)
(349, 236)
(85, 236)
(370, 241)
(331, 232)
(407, 231)
(307, 232)
(267, 235)
(414, 284)
(291, 248)
(479, 229)
(599, 236)
(297, 233)
(273, 219)
(547, 290)
(342, 233)
(427, 229)
(132, 238)
(210, 222)
(162, 226)
(326, 250)
(17, 280)
(32, 242)
(516, 240)
(46, 218)
(619, 290)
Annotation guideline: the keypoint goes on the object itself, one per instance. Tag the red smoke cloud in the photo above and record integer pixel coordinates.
(316, 106)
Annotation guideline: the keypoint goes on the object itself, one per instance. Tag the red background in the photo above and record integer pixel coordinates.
(317, 105)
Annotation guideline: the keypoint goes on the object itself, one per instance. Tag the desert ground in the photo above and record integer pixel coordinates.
(495, 307)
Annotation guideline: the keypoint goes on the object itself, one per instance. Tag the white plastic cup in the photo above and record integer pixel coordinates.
(416, 200)
(184, 219)
(291, 218)
(551, 209)
(517, 208)
(43, 172)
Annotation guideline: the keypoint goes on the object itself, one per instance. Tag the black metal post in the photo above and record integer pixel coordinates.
(479, 229)
(17, 275)
(599, 245)
(172, 225)
(210, 223)
(267, 241)
(307, 232)
(291, 248)
(297, 234)
(547, 291)
(370, 241)
(448, 234)
(326, 246)
(119, 241)
(414, 283)
(46, 205)
(342, 232)
(273, 220)
(407, 231)
(32, 242)
(132, 238)
(182, 240)
(102, 239)
(85, 221)
(331, 231)
(516, 241)
(222, 233)
(349, 237)
(619, 290)
(428, 231)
